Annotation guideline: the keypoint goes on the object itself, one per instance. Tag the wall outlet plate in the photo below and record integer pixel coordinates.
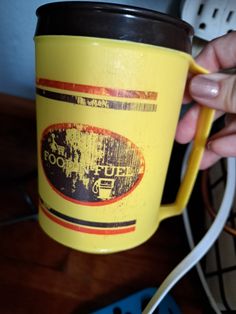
(210, 18)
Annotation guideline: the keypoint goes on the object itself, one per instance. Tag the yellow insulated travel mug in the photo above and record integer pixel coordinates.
(110, 81)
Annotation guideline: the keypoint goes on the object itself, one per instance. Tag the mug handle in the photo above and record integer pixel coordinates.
(203, 129)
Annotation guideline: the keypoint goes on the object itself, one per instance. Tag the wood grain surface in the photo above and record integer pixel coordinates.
(38, 275)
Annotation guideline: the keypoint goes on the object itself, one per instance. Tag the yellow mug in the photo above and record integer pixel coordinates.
(110, 81)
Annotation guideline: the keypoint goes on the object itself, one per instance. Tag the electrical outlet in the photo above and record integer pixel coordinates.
(210, 18)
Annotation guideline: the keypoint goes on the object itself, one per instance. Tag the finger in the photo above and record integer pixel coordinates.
(222, 144)
(187, 126)
(222, 147)
(187, 97)
(213, 56)
(215, 90)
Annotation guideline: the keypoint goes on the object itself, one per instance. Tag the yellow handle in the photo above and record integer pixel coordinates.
(203, 128)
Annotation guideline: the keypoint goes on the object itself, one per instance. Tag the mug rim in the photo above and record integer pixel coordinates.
(114, 21)
(115, 8)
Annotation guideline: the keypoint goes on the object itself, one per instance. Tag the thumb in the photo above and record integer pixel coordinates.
(215, 90)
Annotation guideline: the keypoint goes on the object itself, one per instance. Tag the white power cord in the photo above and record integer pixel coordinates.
(190, 235)
(198, 266)
(203, 246)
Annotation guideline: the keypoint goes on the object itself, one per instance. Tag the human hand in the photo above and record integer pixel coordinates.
(215, 90)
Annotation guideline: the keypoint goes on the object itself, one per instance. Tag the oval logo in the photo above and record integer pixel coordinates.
(90, 165)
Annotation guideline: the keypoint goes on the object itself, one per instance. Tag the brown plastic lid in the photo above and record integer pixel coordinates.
(114, 21)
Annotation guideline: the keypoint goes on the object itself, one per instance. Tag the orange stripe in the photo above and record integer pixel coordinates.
(85, 229)
(97, 90)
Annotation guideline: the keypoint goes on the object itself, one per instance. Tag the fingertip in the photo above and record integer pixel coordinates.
(187, 126)
(181, 136)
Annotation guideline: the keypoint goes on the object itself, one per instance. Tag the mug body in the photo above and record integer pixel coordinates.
(107, 111)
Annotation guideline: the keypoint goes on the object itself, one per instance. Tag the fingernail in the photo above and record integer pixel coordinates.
(203, 87)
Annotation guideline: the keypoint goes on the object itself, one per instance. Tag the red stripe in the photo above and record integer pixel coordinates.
(85, 229)
(97, 90)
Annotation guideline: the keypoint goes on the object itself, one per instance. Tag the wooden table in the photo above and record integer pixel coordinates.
(38, 275)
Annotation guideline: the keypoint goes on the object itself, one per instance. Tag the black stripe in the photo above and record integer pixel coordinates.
(89, 223)
(98, 103)
(57, 96)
